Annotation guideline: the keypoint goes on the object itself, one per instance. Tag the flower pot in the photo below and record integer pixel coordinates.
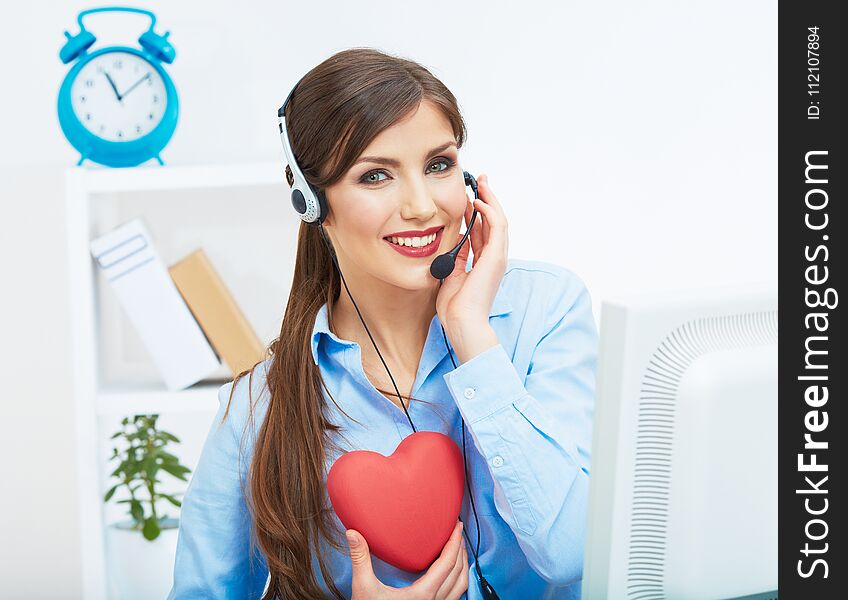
(140, 569)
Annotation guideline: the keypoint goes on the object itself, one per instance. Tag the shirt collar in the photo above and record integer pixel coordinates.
(500, 306)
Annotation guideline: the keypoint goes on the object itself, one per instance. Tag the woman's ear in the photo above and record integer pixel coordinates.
(328, 218)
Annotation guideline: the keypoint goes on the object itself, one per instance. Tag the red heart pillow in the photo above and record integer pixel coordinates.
(405, 504)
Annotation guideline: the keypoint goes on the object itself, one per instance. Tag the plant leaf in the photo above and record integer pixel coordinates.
(150, 466)
(111, 492)
(137, 511)
(151, 528)
(171, 499)
(168, 457)
(177, 471)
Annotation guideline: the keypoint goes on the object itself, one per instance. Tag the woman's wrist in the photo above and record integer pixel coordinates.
(470, 340)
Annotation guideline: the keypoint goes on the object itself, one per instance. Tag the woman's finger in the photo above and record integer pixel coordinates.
(441, 567)
(450, 581)
(484, 210)
(461, 258)
(460, 586)
(495, 233)
(481, 208)
(475, 236)
(491, 198)
(497, 216)
(362, 578)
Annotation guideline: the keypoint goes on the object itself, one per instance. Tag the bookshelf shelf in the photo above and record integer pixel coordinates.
(240, 216)
(140, 179)
(149, 400)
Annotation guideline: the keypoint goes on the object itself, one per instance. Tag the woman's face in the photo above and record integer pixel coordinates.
(407, 179)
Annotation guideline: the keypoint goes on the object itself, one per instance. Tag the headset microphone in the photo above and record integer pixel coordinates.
(444, 263)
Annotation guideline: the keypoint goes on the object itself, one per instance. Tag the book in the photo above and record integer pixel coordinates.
(217, 312)
(126, 256)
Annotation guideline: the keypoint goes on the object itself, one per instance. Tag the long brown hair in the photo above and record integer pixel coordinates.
(338, 108)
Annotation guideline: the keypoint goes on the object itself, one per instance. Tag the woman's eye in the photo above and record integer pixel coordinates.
(442, 161)
(368, 178)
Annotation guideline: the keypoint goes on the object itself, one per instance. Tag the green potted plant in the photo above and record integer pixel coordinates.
(142, 548)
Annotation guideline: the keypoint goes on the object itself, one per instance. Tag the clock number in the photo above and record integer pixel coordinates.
(89, 83)
(119, 64)
(155, 98)
(150, 116)
(138, 128)
(120, 134)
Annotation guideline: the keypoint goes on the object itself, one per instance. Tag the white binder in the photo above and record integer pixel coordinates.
(128, 260)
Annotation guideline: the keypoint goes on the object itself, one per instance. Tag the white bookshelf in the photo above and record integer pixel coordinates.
(241, 216)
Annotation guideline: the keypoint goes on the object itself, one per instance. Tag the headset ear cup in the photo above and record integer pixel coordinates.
(322, 205)
(298, 202)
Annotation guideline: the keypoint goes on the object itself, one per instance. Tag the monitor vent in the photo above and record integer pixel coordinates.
(655, 434)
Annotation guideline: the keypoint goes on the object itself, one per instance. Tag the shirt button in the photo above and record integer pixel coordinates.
(497, 461)
(469, 392)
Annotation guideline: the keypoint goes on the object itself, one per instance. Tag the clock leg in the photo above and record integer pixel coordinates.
(82, 158)
(160, 160)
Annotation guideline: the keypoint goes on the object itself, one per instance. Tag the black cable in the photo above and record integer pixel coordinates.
(332, 254)
(467, 478)
(488, 590)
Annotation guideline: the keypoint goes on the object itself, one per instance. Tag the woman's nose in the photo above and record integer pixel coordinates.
(418, 202)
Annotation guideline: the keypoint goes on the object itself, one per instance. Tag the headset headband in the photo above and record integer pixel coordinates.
(310, 203)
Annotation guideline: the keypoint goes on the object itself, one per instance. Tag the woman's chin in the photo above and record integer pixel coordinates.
(415, 277)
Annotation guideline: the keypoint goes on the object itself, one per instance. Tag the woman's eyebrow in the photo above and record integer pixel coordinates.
(396, 163)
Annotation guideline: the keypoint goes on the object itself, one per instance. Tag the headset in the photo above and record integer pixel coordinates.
(310, 203)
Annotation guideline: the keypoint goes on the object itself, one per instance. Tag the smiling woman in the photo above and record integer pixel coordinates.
(382, 219)
(377, 138)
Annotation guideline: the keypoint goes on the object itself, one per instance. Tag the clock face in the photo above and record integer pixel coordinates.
(119, 96)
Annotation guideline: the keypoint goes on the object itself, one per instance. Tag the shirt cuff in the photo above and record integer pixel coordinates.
(485, 384)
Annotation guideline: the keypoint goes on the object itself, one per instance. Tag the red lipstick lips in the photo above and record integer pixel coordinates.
(421, 251)
(411, 233)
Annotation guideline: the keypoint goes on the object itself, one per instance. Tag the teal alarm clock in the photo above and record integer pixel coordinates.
(118, 106)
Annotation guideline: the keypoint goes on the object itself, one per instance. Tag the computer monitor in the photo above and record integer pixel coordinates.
(683, 492)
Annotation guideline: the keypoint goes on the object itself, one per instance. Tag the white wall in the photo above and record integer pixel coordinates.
(635, 143)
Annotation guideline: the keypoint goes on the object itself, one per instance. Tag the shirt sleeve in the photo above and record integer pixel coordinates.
(535, 434)
(213, 547)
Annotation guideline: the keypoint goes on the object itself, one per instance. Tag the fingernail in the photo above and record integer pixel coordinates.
(351, 538)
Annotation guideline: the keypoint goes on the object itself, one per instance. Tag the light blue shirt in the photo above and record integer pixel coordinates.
(527, 404)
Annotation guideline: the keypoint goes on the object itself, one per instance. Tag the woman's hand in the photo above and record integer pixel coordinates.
(464, 299)
(446, 579)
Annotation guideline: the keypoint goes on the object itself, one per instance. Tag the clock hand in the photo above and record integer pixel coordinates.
(135, 85)
(112, 83)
